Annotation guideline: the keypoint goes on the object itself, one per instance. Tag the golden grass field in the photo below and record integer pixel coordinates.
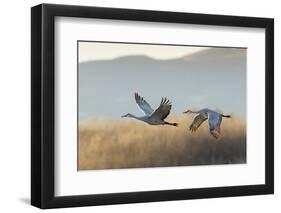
(127, 143)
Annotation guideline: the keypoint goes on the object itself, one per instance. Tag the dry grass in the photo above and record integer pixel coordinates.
(127, 143)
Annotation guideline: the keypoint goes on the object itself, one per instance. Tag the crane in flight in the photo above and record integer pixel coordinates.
(153, 117)
(214, 120)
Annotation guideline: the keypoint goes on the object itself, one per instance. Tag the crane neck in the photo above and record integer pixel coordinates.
(133, 116)
(194, 111)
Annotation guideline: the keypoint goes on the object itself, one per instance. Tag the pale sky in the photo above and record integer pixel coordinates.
(89, 51)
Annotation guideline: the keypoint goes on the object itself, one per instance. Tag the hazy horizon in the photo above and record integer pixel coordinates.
(112, 51)
(202, 77)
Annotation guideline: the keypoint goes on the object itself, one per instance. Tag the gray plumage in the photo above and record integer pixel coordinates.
(214, 121)
(153, 117)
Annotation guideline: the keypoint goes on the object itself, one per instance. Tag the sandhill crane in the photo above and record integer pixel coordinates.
(153, 117)
(214, 120)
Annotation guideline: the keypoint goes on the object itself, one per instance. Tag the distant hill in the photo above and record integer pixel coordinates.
(215, 54)
(215, 57)
(214, 77)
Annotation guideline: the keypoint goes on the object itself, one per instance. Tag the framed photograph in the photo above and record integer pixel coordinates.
(139, 106)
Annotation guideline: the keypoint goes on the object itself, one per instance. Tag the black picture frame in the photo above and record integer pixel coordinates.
(43, 102)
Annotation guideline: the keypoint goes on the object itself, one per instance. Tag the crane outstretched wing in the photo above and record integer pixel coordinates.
(198, 120)
(163, 110)
(143, 105)
(215, 134)
(214, 121)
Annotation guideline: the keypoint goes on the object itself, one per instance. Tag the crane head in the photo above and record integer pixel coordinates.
(127, 115)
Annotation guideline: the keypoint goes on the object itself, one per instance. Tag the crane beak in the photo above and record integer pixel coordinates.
(187, 111)
(123, 116)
